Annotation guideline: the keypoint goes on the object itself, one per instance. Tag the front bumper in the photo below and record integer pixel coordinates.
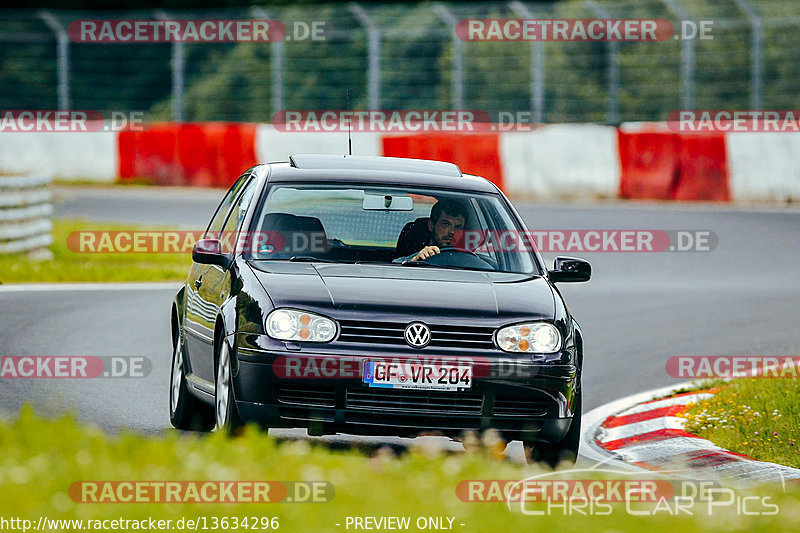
(522, 400)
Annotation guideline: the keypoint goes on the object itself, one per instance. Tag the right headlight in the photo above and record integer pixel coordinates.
(294, 325)
(532, 337)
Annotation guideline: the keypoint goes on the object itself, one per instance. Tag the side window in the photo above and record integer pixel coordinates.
(218, 220)
(237, 214)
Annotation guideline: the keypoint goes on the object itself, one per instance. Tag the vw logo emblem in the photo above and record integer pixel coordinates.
(418, 335)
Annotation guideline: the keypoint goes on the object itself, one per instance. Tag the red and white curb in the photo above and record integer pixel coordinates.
(640, 433)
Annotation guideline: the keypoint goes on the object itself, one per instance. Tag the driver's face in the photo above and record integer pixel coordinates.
(444, 230)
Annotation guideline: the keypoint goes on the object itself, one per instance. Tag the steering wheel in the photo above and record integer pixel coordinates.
(459, 257)
(459, 250)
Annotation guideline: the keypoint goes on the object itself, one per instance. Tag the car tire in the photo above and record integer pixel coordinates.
(227, 417)
(564, 451)
(185, 411)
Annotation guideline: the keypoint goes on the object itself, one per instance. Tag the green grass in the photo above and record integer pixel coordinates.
(42, 458)
(68, 265)
(759, 417)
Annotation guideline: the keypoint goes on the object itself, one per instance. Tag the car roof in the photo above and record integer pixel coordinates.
(358, 162)
(378, 170)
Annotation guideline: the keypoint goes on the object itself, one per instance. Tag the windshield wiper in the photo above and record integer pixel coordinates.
(448, 267)
(311, 259)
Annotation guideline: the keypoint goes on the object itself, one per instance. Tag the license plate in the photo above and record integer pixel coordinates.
(424, 376)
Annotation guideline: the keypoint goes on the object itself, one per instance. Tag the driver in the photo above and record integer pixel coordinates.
(447, 218)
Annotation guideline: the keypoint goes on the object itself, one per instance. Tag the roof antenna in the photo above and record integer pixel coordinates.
(349, 125)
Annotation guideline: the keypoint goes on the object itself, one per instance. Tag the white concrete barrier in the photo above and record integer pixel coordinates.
(275, 145)
(91, 155)
(763, 166)
(561, 160)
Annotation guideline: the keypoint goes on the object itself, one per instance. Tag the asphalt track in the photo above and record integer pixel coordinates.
(743, 298)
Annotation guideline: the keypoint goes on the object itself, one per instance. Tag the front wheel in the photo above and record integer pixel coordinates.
(227, 416)
(185, 411)
(564, 451)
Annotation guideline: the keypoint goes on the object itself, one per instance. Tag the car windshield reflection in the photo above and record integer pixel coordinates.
(397, 226)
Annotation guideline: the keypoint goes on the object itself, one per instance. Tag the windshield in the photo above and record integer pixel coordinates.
(406, 227)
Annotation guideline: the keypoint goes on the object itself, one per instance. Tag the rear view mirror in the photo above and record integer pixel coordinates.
(570, 270)
(209, 252)
(374, 202)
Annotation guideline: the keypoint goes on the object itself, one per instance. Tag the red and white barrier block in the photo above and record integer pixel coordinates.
(652, 435)
(640, 161)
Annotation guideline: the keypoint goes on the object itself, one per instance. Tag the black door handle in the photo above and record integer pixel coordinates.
(198, 282)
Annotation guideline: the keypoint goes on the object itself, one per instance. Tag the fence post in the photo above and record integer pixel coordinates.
(277, 76)
(756, 76)
(687, 57)
(537, 66)
(178, 67)
(612, 66)
(63, 57)
(373, 54)
(277, 65)
(458, 55)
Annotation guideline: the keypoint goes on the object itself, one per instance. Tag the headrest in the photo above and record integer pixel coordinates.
(414, 237)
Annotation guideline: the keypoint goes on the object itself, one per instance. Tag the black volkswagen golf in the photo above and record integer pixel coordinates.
(376, 296)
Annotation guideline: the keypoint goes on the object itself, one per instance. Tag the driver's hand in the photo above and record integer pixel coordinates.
(425, 253)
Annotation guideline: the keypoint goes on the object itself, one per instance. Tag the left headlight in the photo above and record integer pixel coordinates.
(533, 337)
(293, 325)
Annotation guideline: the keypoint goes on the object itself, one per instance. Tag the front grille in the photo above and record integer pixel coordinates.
(474, 337)
(306, 395)
(504, 406)
(405, 400)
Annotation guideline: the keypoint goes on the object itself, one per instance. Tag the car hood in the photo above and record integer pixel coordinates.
(382, 292)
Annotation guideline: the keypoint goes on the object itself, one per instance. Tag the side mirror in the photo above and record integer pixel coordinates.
(209, 252)
(570, 270)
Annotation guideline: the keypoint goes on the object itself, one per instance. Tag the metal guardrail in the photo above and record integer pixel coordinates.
(25, 209)
(408, 56)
